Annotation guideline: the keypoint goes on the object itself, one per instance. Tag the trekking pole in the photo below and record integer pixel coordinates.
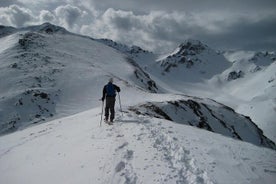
(120, 103)
(102, 113)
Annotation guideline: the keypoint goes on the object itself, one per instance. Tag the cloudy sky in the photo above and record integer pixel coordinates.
(156, 25)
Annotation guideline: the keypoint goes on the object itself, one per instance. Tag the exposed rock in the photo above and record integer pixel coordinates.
(235, 75)
(208, 115)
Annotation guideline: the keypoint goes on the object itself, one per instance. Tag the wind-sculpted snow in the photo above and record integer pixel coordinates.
(208, 115)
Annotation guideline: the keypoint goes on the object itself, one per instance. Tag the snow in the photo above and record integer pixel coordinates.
(57, 79)
(136, 149)
(53, 69)
(252, 95)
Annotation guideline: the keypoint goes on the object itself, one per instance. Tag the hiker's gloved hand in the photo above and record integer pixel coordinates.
(102, 99)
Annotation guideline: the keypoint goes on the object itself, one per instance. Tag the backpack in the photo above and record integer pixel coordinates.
(110, 90)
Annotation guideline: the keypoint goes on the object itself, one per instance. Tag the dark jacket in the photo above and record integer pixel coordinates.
(105, 92)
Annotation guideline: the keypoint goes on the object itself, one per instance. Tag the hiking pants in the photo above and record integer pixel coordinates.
(109, 106)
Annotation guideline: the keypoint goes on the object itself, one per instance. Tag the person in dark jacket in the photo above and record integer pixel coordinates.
(109, 95)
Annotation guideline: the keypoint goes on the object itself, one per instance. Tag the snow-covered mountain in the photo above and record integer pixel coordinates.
(251, 85)
(194, 61)
(54, 73)
(51, 75)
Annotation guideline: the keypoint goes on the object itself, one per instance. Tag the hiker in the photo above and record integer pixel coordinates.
(109, 93)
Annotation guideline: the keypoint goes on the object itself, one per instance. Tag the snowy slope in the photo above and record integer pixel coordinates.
(208, 115)
(49, 74)
(136, 149)
(251, 85)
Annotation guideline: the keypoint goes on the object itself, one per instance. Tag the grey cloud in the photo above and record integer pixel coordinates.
(6, 3)
(256, 35)
(149, 31)
(124, 20)
(68, 14)
(226, 30)
(16, 16)
(46, 16)
(186, 5)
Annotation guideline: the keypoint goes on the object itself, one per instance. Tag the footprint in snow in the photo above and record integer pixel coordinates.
(122, 146)
(129, 154)
(120, 166)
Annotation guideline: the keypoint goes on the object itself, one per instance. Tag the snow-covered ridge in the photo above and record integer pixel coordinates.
(122, 47)
(208, 115)
(139, 55)
(46, 60)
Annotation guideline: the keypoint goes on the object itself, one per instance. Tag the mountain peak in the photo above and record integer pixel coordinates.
(192, 41)
(194, 54)
(194, 46)
(48, 28)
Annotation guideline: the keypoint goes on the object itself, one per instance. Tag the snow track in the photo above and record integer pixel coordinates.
(119, 168)
(178, 157)
(160, 147)
(136, 149)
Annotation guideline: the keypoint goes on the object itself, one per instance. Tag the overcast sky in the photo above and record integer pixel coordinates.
(156, 25)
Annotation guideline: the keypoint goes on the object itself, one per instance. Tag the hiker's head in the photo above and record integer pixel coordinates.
(111, 80)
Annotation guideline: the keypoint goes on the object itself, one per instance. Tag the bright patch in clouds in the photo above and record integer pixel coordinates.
(68, 15)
